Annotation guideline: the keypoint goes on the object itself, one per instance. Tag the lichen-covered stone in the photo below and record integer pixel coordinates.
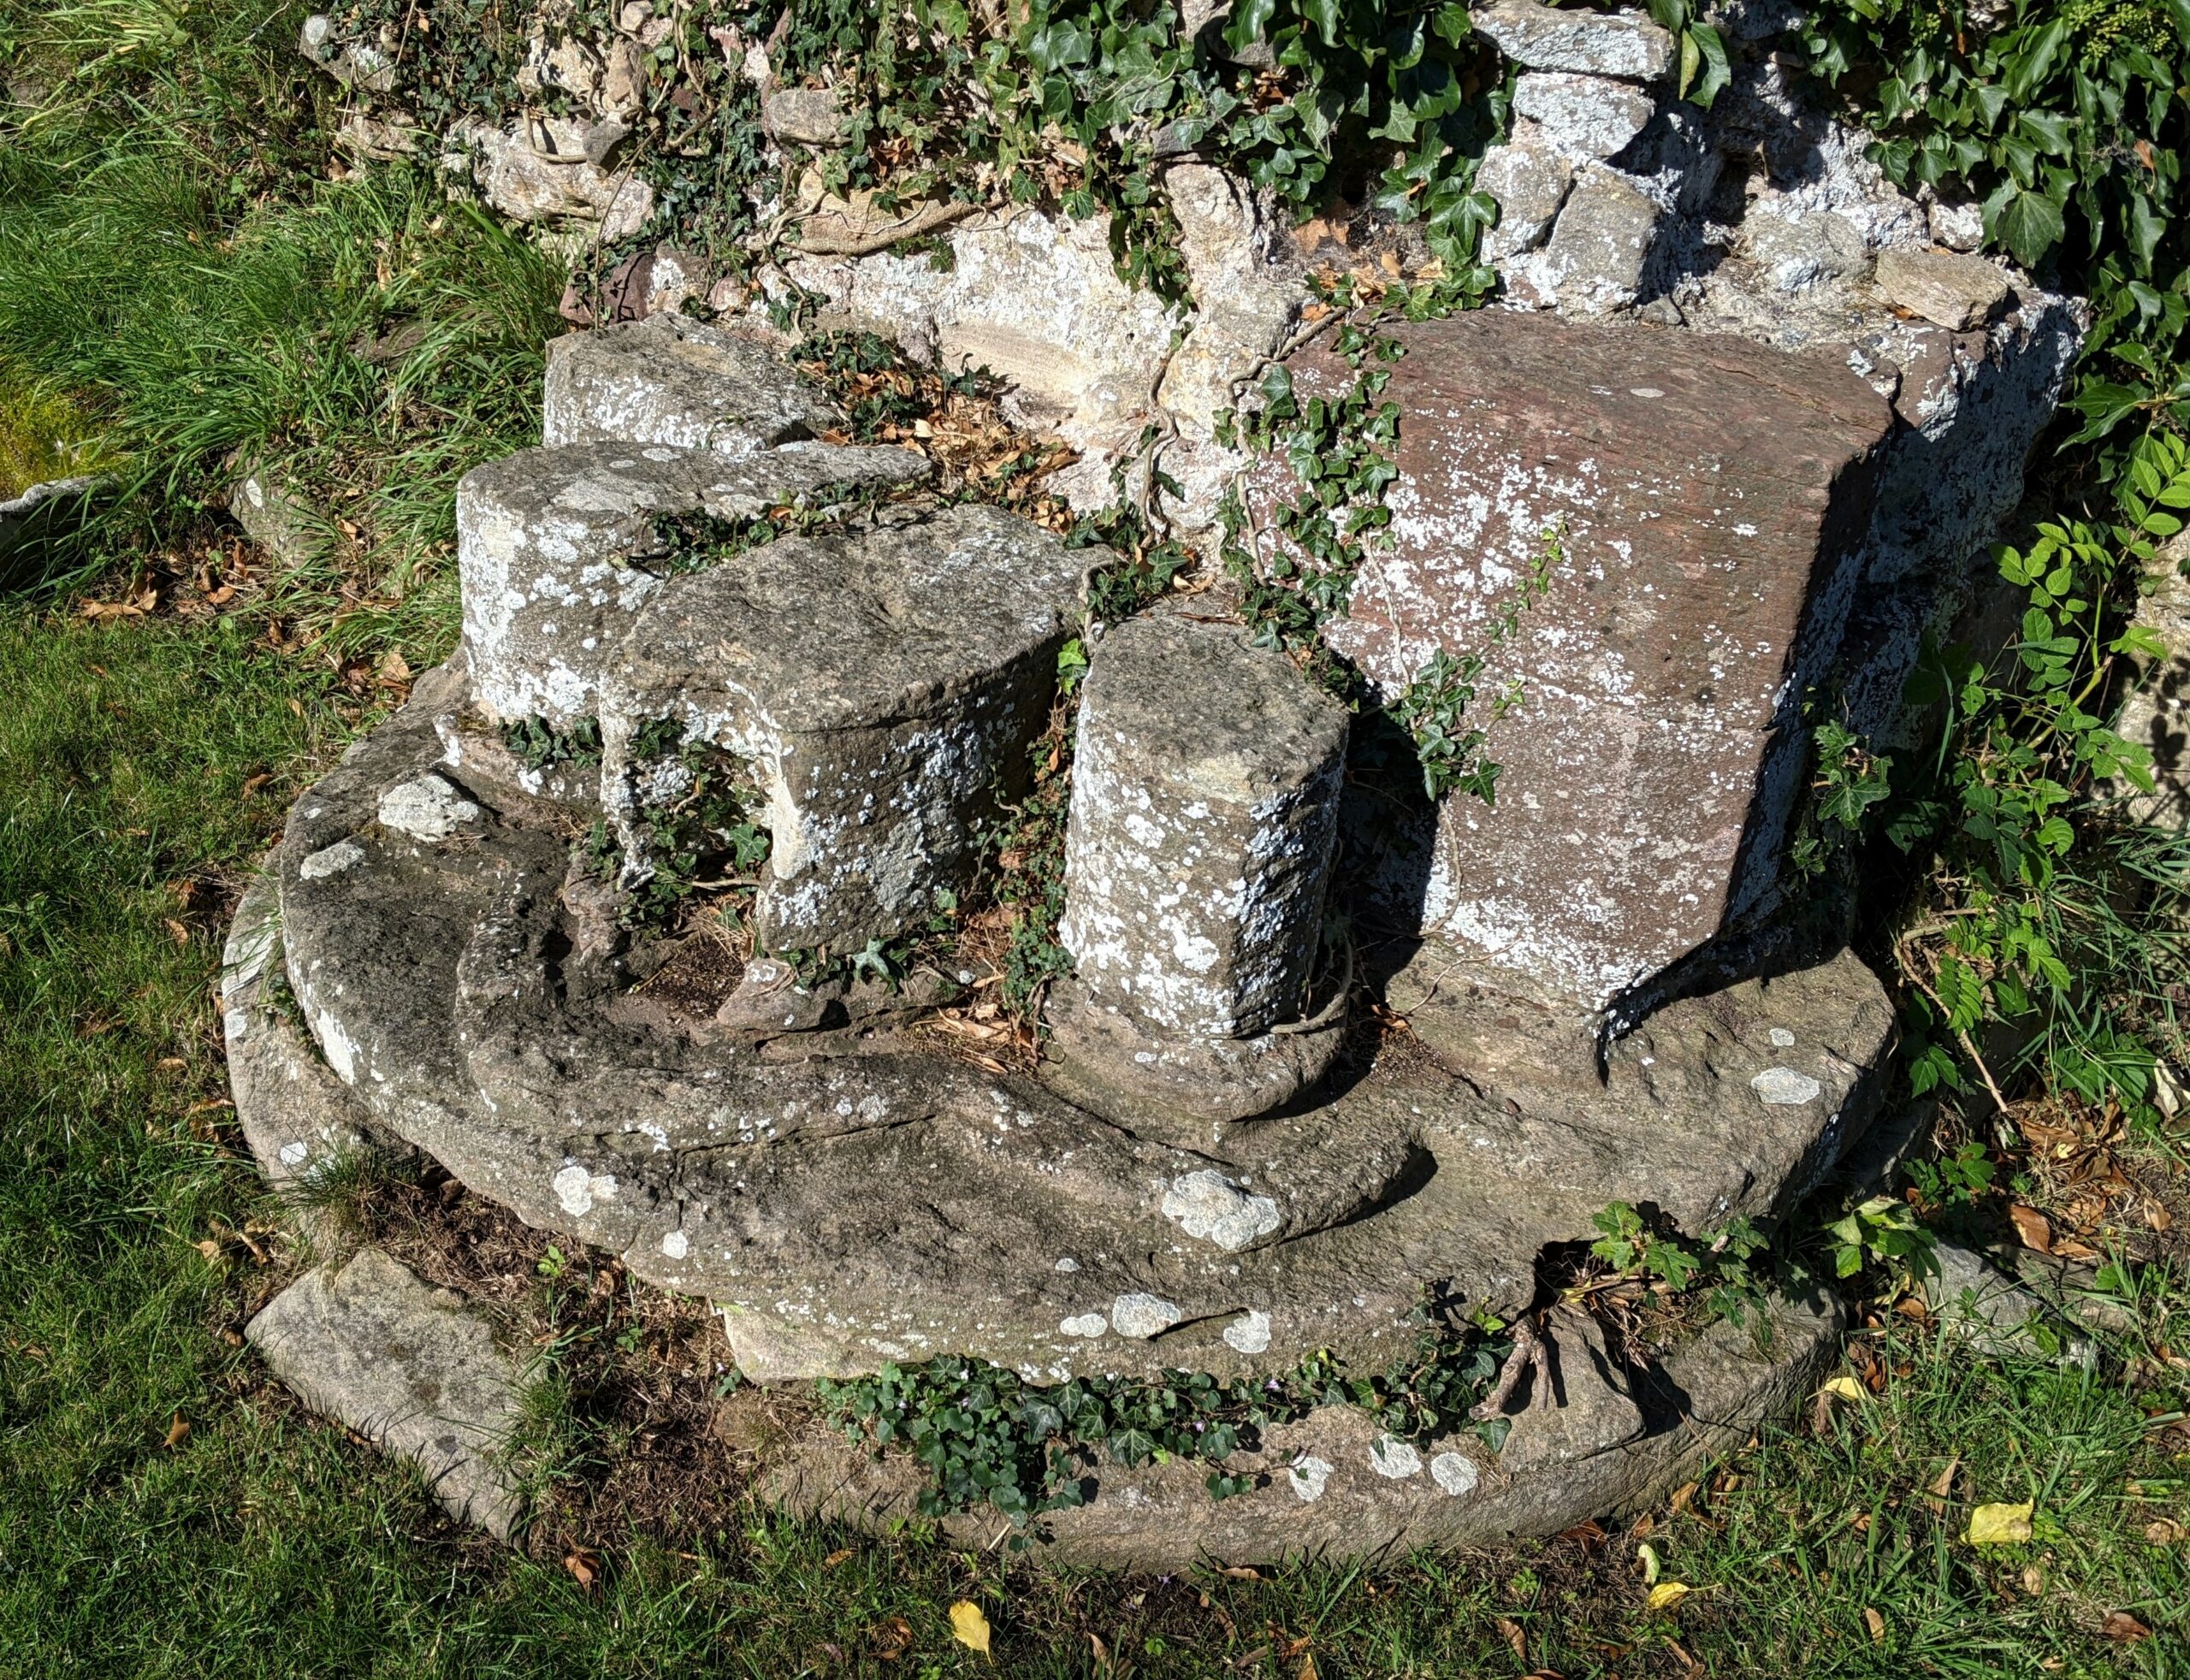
(1600, 246)
(408, 1366)
(552, 545)
(1206, 781)
(1583, 116)
(551, 169)
(1037, 300)
(858, 1204)
(1707, 501)
(1598, 44)
(1529, 178)
(670, 378)
(884, 681)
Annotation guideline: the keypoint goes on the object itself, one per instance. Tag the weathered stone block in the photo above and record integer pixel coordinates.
(1954, 292)
(1598, 44)
(553, 543)
(882, 681)
(1529, 178)
(1706, 499)
(1599, 247)
(1204, 803)
(407, 1365)
(1584, 116)
(670, 378)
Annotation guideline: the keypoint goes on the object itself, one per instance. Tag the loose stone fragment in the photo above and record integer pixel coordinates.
(883, 683)
(371, 1346)
(670, 378)
(1583, 116)
(1598, 44)
(803, 116)
(554, 545)
(425, 807)
(1954, 292)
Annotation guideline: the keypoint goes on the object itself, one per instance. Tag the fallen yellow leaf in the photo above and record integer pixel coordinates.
(969, 1625)
(1845, 1388)
(1667, 1593)
(1649, 1555)
(1999, 1524)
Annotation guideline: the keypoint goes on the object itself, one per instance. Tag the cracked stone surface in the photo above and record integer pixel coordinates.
(670, 378)
(408, 1366)
(883, 1202)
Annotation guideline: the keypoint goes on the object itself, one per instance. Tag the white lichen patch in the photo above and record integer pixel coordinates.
(1087, 1324)
(1250, 1334)
(1784, 1087)
(1208, 1206)
(1394, 1459)
(1781, 1038)
(332, 861)
(426, 808)
(577, 1190)
(676, 1245)
(1141, 1316)
(1455, 1472)
(1309, 1477)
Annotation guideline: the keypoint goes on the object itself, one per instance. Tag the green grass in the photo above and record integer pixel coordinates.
(265, 1543)
(173, 257)
(175, 264)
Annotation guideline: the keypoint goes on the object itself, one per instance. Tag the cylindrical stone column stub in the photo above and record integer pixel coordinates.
(1205, 805)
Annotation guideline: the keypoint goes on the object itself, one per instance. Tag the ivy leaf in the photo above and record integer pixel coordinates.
(2027, 223)
(1249, 24)
(1717, 74)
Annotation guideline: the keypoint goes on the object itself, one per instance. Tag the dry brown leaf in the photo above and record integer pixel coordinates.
(1942, 1488)
(1514, 1638)
(1308, 1671)
(2122, 1625)
(1876, 1623)
(1240, 1572)
(2031, 1226)
(176, 930)
(890, 1639)
(2034, 1581)
(1999, 1524)
(836, 1557)
(1682, 1495)
(2164, 1532)
(585, 1568)
(178, 1431)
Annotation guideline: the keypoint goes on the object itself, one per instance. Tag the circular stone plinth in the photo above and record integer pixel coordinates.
(852, 1203)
